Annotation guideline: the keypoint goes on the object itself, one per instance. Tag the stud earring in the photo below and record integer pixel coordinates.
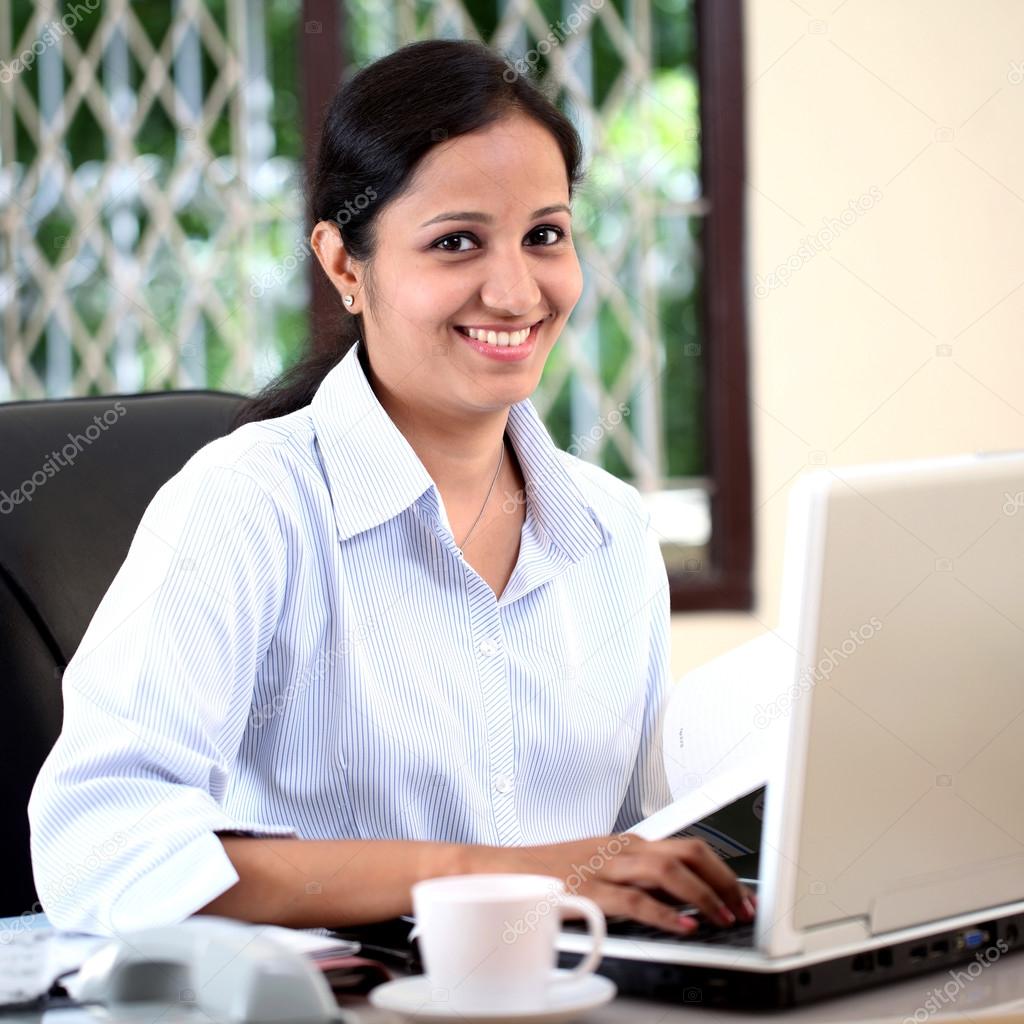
(349, 299)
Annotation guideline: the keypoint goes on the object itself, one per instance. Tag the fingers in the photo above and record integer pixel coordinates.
(664, 871)
(637, 905)
(703, 861)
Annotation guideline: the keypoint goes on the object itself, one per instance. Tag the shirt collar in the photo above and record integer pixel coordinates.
(374, 474)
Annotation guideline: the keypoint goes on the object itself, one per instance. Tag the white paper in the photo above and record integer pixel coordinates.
(724, 731)
(31, 959)
(729, 714)
(310, 943)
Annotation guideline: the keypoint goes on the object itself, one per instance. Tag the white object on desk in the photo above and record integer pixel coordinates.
(32, 958)
(459, 918)
(230, 970)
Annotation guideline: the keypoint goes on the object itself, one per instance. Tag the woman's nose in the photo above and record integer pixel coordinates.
(511, 287)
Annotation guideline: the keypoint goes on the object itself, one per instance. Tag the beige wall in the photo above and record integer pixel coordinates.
(904, 337)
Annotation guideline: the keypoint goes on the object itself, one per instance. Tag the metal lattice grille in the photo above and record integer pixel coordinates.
(166, 246)
(130, 270)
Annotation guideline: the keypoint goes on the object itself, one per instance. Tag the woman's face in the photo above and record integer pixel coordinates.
(474, 244)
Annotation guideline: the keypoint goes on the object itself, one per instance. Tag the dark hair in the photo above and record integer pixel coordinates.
(377, 129)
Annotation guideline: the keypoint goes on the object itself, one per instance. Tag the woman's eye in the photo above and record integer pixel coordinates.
(558, 233)
(451, 238)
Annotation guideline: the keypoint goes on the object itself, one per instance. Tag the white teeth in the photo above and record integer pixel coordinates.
(502, 339)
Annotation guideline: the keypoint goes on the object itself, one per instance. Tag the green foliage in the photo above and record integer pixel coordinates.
(650, 154)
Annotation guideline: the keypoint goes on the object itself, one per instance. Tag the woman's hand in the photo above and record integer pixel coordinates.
(621, 872)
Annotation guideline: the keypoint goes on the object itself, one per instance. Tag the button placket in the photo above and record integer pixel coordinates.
(493, 675)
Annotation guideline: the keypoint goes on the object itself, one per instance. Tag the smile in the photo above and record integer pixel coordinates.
(499, 339)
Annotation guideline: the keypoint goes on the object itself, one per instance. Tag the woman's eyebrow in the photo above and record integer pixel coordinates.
(486, 218)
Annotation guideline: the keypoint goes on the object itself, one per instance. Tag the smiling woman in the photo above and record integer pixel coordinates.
(385, 625)
(434, 138)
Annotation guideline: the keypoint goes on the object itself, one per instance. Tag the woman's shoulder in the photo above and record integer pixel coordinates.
(268, 453)
(261, 481)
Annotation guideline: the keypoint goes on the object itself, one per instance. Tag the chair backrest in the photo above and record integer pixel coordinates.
(76, 475)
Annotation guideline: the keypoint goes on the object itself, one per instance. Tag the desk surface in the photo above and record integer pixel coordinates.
(996, 994)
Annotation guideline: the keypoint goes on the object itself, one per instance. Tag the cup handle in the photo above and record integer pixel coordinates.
(596, 928)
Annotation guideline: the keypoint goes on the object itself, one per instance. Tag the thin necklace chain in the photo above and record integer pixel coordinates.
(490, 489)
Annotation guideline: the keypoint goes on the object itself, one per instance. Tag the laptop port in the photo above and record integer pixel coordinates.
(885, 958)
(940, 947)
(971, 939)
(864, 962)
(918, 952)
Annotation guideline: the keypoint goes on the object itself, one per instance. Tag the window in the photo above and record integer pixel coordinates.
(150, 164)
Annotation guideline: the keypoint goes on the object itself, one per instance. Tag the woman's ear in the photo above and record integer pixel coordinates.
(338, 265)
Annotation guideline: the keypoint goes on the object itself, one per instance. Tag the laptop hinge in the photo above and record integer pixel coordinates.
(838, 933)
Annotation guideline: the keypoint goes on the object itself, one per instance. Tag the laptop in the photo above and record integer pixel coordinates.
(884, 835)
(884, 830)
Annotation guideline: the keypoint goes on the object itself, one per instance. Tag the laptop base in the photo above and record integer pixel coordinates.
(693, 985)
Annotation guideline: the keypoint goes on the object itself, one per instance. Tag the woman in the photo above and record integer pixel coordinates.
(385, 630)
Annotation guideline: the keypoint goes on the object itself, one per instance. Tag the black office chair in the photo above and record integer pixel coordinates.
(85, 469)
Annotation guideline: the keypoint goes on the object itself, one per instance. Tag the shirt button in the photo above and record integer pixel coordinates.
(503, 784)
(488, 648)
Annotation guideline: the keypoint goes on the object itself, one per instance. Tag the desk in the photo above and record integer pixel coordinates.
(997, 994)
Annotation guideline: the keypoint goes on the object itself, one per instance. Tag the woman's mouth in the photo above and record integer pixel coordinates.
(502, 345)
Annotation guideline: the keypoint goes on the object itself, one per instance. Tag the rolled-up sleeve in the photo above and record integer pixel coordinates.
(125, 808)
(648, 789)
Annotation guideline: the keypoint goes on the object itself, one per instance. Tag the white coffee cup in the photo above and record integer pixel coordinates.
(488, 941)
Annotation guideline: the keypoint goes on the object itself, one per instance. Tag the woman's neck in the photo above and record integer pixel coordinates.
(460, 454)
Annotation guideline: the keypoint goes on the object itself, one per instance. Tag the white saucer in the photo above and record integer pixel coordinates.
(412, 997)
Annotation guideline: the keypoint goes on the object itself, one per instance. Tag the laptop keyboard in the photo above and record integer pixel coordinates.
(739, 935)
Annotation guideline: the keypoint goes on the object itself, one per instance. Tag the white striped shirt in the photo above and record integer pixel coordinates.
(294, 646)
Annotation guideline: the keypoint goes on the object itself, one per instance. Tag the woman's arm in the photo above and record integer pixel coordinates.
(339, 883)
(125, 809)
(329, 883)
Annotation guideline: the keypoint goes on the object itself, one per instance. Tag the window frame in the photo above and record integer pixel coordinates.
(727, 583)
